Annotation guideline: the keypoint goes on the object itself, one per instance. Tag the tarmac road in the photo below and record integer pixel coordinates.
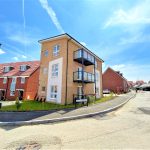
(126, 128)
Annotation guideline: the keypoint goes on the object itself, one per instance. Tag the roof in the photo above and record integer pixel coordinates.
(33, 65)
(115, 73)
(71, 38)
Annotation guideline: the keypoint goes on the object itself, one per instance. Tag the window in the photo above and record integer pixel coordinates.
(12, 93)
(43, 89)
(55, 70)
(4, 80)
(46, 53)
(56, 50)
(97, 76)
(95, 64)
(23, 68)
(44, 70)
(54, 91)
(80, 92)
(22, 80)
(6, 68)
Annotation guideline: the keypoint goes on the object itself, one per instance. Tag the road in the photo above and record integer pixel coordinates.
(126, 128)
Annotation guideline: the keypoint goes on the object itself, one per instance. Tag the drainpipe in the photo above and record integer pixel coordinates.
(66, 96)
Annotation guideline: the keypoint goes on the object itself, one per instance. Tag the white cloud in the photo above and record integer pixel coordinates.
(137, 38)
(23, 56)
(15, 58)
(1, 51)
(83, 43)
(139, 14)
(52, 14)
(134, 72)
(21, 38)
(15, 32)
(118, 67)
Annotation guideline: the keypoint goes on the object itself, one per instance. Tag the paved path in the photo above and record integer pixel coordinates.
(42, 115)
(126, 128)
(7, 103)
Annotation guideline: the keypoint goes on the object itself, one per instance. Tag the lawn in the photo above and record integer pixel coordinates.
(104, 99)
(35, 105)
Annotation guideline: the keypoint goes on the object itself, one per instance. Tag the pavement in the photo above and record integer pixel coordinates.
(35, 117)
(127, 128)
(7, 103)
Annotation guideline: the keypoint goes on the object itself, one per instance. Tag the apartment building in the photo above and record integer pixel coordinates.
(68, 70)
(19, 79)
(114, 81)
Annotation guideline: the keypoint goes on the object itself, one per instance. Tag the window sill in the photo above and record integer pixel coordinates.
(53, 98)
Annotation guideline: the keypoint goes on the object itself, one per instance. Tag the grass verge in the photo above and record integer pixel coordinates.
(35, 105)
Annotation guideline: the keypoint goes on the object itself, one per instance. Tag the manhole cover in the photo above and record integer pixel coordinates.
(29, 146)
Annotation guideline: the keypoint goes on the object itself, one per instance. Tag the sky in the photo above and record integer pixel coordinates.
(118, 31)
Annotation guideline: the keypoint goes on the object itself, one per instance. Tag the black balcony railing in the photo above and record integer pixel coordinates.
(84, 57)
(82, 76)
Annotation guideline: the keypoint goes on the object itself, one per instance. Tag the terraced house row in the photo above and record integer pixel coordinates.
(19, 79)
(67, 71)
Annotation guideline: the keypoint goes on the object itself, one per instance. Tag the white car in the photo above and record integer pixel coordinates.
(106, 91)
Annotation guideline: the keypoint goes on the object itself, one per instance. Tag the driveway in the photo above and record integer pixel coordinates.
(126, 128)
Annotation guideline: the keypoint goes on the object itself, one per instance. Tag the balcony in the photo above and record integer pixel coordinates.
(87, 77)
(87, 58)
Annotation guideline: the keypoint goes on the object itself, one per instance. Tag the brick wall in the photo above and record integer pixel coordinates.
(113, 82)
(31, 88)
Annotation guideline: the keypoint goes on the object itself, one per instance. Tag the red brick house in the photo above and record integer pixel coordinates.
(19, 79)
(114, 81)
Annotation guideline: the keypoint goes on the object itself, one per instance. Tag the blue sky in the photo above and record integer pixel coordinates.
(118, 31)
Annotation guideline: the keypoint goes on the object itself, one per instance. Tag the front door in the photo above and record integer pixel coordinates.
(2, 94)
(20, 95)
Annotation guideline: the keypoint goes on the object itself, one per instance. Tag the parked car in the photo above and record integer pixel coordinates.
(106, 91)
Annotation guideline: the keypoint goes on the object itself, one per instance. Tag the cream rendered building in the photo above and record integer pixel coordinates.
(68, 70)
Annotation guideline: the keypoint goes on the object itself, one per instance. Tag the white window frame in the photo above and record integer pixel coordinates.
(54, 92)
(6, 68)
(23, 79)
(23, 67)
(5, 80)
(46, 53)
(56, 50)
(55, 68)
